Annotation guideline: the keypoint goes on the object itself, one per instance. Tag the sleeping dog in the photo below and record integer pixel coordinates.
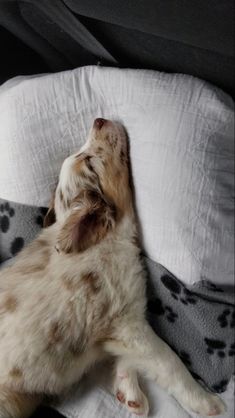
(76, 295)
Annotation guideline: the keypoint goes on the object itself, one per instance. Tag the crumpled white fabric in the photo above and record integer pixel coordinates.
(182, 153)
(92, 399)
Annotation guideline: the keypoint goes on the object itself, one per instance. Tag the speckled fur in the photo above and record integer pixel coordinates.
(77, 293)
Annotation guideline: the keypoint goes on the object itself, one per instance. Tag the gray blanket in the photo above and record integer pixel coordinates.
(197, 322)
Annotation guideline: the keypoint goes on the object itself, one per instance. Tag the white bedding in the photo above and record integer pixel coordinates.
(92, 400)
(182, 152)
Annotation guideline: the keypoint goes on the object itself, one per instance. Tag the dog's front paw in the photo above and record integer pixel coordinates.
(129, 394)
(212, 405)
(137, 405)
(209, 405)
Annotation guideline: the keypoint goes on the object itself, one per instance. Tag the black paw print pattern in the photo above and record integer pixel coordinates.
(232, 350)
(178, 291)
(17, 245)
(6, 212)
(227, 318)
(211, 286)
(40, 217)
(156, 307)
(219, 347)
(221, 386)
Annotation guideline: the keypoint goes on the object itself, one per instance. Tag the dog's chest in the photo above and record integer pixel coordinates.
(99, 288)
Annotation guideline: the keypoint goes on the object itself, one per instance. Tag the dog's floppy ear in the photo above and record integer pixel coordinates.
(50, 217)
(91, 219)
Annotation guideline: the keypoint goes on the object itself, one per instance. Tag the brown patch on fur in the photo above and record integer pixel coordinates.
(30, 269)
(72, 316)
(88, 225)
(76, 348)
(61, 196)
(34, 264)
(10, 304)
(42, 242)
(64, 202)
(16, 373)
(114, 181)
(69, 283)
(99, 151)
(112, 140)
(84, 175)
(77, 340)
(135, 241)
(77, 167)
(88, 164)
(39, 245)
(21, 404)
(107, 138)
(91, 281)
(45, 254)
(84, 169)
(104, 309)
(55, 333)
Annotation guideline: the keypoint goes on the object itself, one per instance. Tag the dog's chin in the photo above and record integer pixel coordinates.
(87, 144)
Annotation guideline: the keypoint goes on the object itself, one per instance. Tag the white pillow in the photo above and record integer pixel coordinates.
(182, 153)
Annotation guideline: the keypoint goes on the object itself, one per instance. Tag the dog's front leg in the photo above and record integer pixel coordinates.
(125, 387)
(140, 348)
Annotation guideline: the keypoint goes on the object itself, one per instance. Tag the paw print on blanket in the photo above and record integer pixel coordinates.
(178, 291)
(227, 318)
(17, 245)
(221, 386)
(7, 215)
(211, 286)
(215, 346)
(156, 307)
(6, 212)
(39, 219)
(232, 350)
(219, 347)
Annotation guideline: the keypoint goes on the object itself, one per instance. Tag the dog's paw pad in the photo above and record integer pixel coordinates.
(120, 397)
(133, 404)
(138, 406)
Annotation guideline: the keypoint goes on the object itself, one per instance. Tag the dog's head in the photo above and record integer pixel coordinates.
(93, 192)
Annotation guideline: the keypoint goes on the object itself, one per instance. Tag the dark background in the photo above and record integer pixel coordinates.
(187, 36)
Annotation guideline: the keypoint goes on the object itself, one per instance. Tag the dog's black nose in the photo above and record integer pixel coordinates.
(99, 122)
